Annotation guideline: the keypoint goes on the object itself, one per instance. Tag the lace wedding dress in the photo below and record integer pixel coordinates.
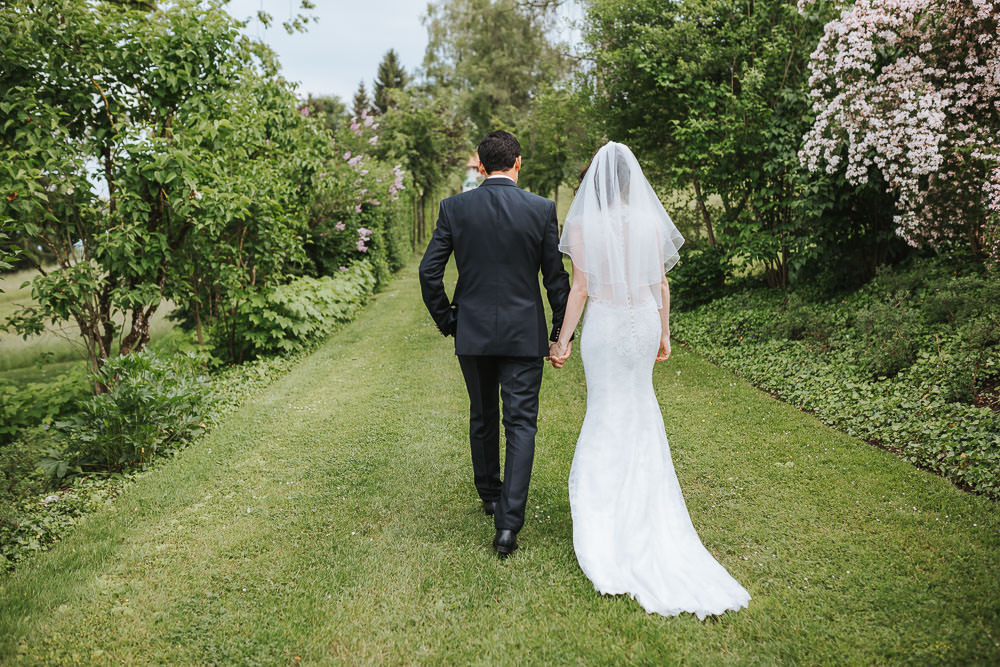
(631, 529)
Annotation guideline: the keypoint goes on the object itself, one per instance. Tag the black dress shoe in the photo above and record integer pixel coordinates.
(505, 542)
(490, 507)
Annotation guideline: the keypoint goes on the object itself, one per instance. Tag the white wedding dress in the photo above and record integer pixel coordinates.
(631, 529)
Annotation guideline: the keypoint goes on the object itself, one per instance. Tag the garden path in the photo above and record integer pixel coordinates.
(332, 518)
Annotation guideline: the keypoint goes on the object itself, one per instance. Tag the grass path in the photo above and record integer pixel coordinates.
(333, 519)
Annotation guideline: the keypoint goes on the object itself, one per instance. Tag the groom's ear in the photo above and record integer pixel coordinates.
(517, 163)
(482, 169)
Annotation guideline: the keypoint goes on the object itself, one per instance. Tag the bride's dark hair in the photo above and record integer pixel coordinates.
(583, 172)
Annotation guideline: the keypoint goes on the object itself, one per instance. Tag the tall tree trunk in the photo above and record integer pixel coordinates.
(138, 334)
(704, 210)
(197, 323)
(422, 211)
(196, 290)
(413, 225)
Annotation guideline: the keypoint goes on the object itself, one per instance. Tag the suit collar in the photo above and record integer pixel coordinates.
(498, 181)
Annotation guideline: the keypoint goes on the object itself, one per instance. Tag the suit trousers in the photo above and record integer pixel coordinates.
(518, 380)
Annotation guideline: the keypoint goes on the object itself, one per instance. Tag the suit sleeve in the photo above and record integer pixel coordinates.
(554, 276)
(432, 268)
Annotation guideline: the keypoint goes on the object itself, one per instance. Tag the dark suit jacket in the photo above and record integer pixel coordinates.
(501, 236)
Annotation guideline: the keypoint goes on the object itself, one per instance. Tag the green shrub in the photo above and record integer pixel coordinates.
(291, 317)
(699, 276)
(893, 370)
(152, 403)
(33, 523)
(961, 298)
(332, 241)
(801, 320)
(977, 358)
(32, 404)
(888, 335)
(19, 472)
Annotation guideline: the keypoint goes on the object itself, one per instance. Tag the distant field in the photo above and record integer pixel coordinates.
(58, 348)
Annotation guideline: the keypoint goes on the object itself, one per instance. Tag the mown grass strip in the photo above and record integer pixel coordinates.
(333, 519)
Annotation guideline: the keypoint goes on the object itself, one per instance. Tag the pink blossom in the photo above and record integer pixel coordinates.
(923, 116)
(340, 226)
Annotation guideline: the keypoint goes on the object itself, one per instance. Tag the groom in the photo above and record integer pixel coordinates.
(501, 236)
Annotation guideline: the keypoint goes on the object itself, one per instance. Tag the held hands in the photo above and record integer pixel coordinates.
(664, 352)
(558, 354)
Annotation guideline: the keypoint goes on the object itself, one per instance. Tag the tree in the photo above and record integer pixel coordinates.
(188, 206)
(391, 75)
(8, 250)
(710, 96)
(431, 139)
(908, 90)
(362, 105)
(329, 110)
(494, 55)
(557, 139)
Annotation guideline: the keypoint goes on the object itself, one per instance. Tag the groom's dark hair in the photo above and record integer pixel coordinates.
(498, 150)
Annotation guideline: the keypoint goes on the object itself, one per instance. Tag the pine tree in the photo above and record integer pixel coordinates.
(390, 75)
(362, 103)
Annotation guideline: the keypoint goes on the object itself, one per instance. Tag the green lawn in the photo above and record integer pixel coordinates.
(333, 519)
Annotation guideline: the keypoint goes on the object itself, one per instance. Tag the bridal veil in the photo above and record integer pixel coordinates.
(617, 231)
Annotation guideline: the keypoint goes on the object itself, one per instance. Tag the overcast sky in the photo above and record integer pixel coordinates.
(348, 41)
(345, 45)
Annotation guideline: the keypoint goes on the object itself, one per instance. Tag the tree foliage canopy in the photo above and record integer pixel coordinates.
(391, 75)
(494, 55)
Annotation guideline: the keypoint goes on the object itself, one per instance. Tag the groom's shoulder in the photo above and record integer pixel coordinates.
(457, 202)
(530, 199)
(536, 200)
(463, 199)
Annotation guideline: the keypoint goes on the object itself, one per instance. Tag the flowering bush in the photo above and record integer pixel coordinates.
(911, 88)
(358, 212)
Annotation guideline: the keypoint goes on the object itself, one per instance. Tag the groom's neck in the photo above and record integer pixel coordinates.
(510, 173)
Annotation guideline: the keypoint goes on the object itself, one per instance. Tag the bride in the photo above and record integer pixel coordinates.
(631, 529)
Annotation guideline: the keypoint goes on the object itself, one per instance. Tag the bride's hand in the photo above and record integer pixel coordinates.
(558, 354)
(664, 353)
